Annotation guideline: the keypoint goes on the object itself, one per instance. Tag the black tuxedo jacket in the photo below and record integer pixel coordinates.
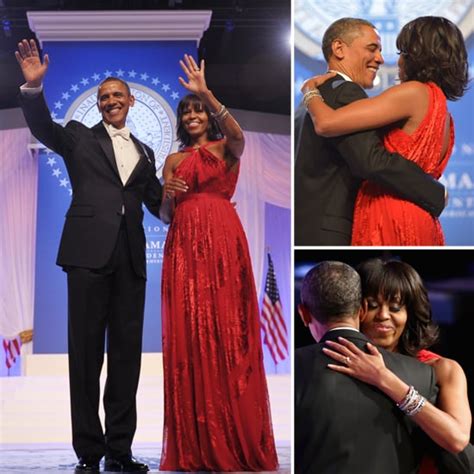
(329, 172)
(344, 426)
(95, 214)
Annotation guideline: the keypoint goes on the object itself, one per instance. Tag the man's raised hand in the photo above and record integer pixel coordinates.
(28, 58)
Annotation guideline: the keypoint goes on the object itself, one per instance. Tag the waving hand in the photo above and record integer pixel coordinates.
(28, 58)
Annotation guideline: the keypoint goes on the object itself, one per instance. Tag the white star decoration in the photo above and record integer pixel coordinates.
(85, 81)
(144, 77)
(165, 87)
(74, 87)
(51, 161)
(132, 73)
(64, 182)
(120, 73)
(96, 77)
(107, 73)
(66, 95)
(155, 81)
(174, 95)
(58, 105)
(57, 172)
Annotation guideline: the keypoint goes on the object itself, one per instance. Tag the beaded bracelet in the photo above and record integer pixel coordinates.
(311, 94)
(220, 113)
(223, 115)
(412, 402)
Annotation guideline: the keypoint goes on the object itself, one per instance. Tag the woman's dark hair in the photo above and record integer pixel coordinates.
(398, 281)
(213, 130)
(434, 51)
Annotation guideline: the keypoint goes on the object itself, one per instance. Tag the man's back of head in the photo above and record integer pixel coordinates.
(331, 291)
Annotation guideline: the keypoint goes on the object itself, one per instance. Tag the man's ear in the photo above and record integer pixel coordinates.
(337, 48)
(364, 308)
(132, 100)
(305, 315)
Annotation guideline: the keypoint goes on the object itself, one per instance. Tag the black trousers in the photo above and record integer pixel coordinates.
(105, 305)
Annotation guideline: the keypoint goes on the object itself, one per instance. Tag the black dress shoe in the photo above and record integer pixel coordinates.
(128, 464)
(87, 465)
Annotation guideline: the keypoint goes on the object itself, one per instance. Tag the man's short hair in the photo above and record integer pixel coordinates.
(346, 29)
(331, 291)
(115, 79)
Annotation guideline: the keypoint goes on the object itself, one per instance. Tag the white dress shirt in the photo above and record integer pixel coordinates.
(126, 153)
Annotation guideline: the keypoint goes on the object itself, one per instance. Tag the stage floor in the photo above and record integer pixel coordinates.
(25, 459)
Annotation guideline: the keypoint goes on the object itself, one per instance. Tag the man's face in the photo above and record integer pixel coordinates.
(363, 57)
(114, 101)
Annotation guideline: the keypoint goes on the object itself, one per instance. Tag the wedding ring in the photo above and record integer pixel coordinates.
(348, 360)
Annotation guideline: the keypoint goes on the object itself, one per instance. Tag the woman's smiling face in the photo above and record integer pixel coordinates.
(384, 321)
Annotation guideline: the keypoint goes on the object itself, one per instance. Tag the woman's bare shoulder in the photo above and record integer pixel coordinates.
(412, 88)
(447, 370)
(174, 156)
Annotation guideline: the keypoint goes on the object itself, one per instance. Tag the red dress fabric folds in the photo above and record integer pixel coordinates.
(217, 412)
(383, 219)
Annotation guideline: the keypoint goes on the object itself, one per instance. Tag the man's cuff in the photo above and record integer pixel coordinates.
(31, 91)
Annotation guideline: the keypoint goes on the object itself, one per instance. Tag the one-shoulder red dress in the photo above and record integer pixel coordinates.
(383, 219)
(217, 412)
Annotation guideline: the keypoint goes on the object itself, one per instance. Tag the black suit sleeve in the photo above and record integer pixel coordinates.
(54, 136)
(368, 159)
(153, 191)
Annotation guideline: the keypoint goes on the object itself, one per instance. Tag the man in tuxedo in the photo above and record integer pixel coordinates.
(329, 171)
(343, 425)
(102, 250)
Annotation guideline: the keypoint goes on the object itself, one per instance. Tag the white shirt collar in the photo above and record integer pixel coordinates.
(345, 76)
(109, 127)
(343, 327)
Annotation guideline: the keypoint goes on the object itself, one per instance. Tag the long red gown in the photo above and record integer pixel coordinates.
(427, 465)
(217, 412)
(383, 219)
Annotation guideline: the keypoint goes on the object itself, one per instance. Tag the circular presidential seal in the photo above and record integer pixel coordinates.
(151, 119)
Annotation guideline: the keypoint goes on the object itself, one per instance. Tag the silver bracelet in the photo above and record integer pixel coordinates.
(412, 402)
(310, 95)
(222, 110)
(420, 405)
(222, 116)
(407, 399)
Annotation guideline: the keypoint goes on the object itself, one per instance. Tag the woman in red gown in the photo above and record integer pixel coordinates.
(398, 318)
(217, 412)
(432, 68)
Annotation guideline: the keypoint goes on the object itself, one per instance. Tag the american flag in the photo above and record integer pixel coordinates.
(272, 320)
(12, 348)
